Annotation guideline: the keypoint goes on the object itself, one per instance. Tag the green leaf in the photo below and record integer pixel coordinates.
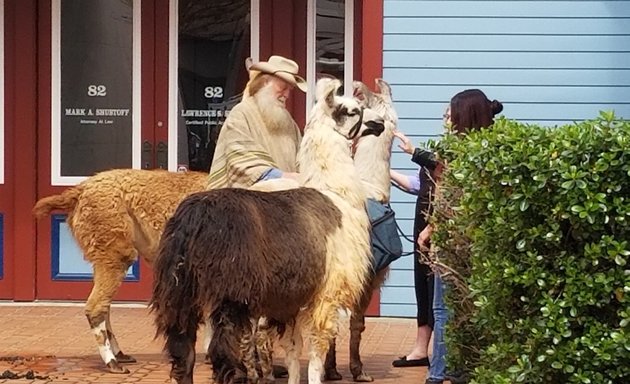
(514, 369)
(524, 205)
(619, 260)
(577, 208)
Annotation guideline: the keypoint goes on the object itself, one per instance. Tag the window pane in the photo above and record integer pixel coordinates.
(330, 38)
(96, 85)
(214, 41)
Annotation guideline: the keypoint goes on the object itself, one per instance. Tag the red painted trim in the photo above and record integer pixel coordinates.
(372, 68)
(148, 73)
(358, 34)
(24, 164)
(266, 29)
(159, 98)
(6, 189)
(372, 52)
(299, 55)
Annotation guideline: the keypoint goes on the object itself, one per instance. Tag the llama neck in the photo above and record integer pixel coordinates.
(372, 162)
(326, 164)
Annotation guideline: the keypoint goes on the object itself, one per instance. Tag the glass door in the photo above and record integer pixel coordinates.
(210, 41)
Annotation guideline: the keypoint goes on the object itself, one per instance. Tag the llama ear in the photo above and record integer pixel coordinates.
(322, 87)
(361, 91)
(329, 92)
(384, 88)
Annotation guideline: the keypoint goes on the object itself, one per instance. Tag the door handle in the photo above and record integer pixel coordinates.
(146, 156)
(161, 155)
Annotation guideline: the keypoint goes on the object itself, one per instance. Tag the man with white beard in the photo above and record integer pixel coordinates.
(259, 139)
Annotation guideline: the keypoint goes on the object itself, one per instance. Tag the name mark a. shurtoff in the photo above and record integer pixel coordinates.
(97, 112)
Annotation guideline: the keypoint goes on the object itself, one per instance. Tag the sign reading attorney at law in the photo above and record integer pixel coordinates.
(96, 86)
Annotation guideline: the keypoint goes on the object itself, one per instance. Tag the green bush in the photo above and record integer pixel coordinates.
(534, 223)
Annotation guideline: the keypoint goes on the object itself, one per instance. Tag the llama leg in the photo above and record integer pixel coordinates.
(107, 280)
(315, 364)
(120, 356)
(231, 325)
(248, 353)
(330, 366)
(181, 349)
(264, 348)
(291, 341)
(324, 329)
(357, 326)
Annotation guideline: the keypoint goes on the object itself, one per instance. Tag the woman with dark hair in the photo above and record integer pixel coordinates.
(468, 110)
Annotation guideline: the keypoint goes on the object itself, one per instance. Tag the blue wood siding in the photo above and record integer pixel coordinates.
(549, 62)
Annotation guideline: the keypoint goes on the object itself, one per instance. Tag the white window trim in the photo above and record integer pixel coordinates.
(348, 52)
(348, 67)
(55, 128)
(172, 70)
(254, 35)
(2, 151)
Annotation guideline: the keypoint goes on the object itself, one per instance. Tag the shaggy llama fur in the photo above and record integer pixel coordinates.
(295, 257)
(115, 216)
(372, 160)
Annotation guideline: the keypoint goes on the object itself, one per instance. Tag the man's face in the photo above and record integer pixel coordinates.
(281, 89)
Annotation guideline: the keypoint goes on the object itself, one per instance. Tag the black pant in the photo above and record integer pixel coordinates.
(423, 277)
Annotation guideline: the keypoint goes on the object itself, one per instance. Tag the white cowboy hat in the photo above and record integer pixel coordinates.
(283, 68)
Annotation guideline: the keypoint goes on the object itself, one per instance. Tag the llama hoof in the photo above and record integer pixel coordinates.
(114, 367)
(206, 360)
(332, 375)
(279, 371)
(122, 358)
(363, 378)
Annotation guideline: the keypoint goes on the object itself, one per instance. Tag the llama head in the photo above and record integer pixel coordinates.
(362, 93)
(373, 122)
(346, 112)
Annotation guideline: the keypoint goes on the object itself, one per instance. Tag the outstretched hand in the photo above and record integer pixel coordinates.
(405, 144)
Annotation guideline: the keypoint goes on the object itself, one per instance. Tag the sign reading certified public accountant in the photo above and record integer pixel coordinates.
(96, 80)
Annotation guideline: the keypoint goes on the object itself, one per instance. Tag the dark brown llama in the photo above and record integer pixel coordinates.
(295, 257)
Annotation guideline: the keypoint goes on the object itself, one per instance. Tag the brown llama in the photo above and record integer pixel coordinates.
(115, 216)
(372, 160)
(295, 257)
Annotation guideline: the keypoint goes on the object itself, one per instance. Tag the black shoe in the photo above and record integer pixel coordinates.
(434, 381)
(404, 362)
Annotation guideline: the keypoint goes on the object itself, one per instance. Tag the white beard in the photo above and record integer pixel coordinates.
(274, 113)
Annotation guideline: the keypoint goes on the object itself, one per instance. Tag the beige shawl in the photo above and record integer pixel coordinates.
(246, 149)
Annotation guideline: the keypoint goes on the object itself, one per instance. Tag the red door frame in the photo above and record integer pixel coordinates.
(19, 191)
(369, 39)
(47, 288)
